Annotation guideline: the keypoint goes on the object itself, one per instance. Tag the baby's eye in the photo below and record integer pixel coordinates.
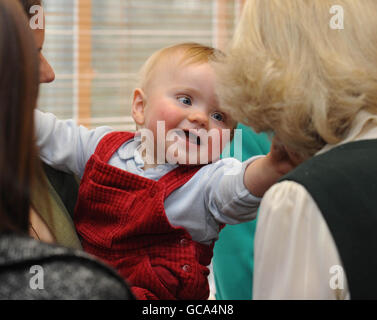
(218, 116)
(185, 100)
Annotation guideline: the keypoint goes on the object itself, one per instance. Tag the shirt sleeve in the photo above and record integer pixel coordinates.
(63, 144)
(225, 194)
(295, 254)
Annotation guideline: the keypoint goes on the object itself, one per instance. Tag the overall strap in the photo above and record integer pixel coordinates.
(112, 142)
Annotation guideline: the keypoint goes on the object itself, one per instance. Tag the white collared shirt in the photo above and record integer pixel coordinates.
(211, 197)
(295, 253)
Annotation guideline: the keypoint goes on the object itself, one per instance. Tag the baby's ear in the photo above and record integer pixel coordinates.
(138, 105)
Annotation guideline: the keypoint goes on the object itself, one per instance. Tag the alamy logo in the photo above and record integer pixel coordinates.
(337, 20)
(37, 20)
(37, 280)
(337, 280)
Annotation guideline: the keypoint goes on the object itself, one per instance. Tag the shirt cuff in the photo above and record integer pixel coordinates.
(243, 205)
(244, 192)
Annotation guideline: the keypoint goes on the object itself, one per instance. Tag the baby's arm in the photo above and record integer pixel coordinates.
(225, 196)
(261, 174)
(65, 145)
(233, 189)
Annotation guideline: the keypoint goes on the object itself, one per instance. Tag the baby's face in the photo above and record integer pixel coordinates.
(183, 100)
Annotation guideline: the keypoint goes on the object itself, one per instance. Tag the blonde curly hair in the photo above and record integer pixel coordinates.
(288, 72)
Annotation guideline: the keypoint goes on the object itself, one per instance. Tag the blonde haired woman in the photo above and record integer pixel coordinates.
(293, 70)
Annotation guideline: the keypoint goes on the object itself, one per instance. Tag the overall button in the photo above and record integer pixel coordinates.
(184, 242)
(186, 268)
(153, 193)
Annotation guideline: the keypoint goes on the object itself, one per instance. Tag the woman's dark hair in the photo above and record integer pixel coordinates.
(27, 4)
(19, 65)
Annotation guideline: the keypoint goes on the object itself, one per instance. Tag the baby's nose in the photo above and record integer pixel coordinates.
(199, 117)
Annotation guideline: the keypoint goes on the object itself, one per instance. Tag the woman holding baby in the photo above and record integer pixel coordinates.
(31, 269)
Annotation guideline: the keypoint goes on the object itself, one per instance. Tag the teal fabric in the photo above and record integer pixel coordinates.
(233, 259)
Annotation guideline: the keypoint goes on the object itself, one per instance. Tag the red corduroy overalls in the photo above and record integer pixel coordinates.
(121, 219)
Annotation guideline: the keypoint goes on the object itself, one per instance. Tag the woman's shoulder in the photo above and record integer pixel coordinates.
(30, 269)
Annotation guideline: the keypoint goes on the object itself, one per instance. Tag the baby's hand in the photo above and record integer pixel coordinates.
(280, 159)
(261, 174)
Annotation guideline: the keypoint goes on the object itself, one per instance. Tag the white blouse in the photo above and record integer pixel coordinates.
(295, 253)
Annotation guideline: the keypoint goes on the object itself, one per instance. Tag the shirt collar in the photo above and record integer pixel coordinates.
(130, 150)
(364, 127)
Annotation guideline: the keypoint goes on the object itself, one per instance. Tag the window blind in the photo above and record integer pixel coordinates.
(97, 47)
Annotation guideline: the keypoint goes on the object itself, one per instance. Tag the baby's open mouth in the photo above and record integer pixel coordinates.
(190, 137)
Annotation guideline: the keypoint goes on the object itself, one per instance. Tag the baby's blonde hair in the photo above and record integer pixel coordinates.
(190, 53)
(289, 72)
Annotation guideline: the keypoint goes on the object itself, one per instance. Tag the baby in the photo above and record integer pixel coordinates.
(151, 208)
